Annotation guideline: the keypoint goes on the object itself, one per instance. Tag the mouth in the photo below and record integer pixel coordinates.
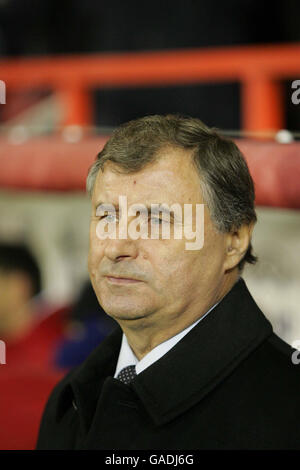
(122, 280)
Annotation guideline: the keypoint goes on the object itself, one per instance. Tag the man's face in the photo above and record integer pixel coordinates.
(166, 281)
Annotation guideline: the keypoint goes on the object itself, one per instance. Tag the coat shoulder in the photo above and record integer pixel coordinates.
(275, 377)
(49, 422)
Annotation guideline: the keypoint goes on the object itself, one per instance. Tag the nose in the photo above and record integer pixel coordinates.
(118, 249)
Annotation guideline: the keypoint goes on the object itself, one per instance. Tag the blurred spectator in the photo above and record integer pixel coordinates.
(28, 326)
(20, 281)
(31, 331)
(89, 325)
(24, 393)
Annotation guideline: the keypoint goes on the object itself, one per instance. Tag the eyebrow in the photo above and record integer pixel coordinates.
(106, 206)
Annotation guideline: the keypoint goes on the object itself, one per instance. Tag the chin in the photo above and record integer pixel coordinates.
(120, 310)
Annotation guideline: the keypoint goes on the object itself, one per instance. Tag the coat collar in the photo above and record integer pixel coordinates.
(82, 386)
(183, 376)
(204, 357)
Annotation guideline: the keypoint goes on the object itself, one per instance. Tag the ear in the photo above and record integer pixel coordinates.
(237, 243)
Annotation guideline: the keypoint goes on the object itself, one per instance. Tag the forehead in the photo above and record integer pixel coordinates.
(171, 178)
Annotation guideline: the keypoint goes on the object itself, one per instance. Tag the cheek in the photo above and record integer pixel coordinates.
(209, 263)
(95, 253)
(170, 263)
(187, 268)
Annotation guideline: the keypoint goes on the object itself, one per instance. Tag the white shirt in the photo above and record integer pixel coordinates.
(128, 358)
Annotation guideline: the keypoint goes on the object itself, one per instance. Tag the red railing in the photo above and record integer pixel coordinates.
(259, 69)
(52, 164)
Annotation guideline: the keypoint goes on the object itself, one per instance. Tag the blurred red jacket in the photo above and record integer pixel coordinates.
(27, 379)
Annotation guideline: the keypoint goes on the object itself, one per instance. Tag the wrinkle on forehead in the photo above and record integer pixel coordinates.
(172, 176)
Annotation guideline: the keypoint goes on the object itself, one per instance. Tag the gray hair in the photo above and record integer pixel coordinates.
(226, 183)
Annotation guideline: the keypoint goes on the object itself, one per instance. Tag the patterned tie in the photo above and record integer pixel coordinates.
(127, 374)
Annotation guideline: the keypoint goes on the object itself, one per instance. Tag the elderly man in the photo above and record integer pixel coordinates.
(195, 363)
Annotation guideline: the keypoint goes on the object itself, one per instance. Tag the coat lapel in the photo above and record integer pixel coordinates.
(85, 383)
(188, 372)
(204, 357)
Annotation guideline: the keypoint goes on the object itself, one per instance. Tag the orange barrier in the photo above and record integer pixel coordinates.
(50, 163)
(259, 69)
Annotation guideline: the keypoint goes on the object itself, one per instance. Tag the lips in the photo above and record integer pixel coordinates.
(122, 280)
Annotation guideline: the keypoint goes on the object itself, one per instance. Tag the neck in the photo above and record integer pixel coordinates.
(145, 334)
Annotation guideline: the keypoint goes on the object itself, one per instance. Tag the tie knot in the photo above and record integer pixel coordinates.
(127, 374)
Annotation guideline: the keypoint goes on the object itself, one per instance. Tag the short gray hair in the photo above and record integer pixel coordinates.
(226, 183)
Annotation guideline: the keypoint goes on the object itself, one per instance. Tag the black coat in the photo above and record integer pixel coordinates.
(228, 384)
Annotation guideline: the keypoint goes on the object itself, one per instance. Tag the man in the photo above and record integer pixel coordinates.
(20, 282)
(29, 327)
(29, 330)
(195, 364)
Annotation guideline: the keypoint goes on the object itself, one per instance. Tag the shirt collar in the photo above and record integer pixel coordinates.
(128, 358)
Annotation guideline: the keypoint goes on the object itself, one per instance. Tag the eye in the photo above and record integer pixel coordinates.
(156, 221)
(109, 217)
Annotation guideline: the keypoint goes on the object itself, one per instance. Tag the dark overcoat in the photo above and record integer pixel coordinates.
(230, 383)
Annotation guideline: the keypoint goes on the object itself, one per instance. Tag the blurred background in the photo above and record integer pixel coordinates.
(72, 71)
